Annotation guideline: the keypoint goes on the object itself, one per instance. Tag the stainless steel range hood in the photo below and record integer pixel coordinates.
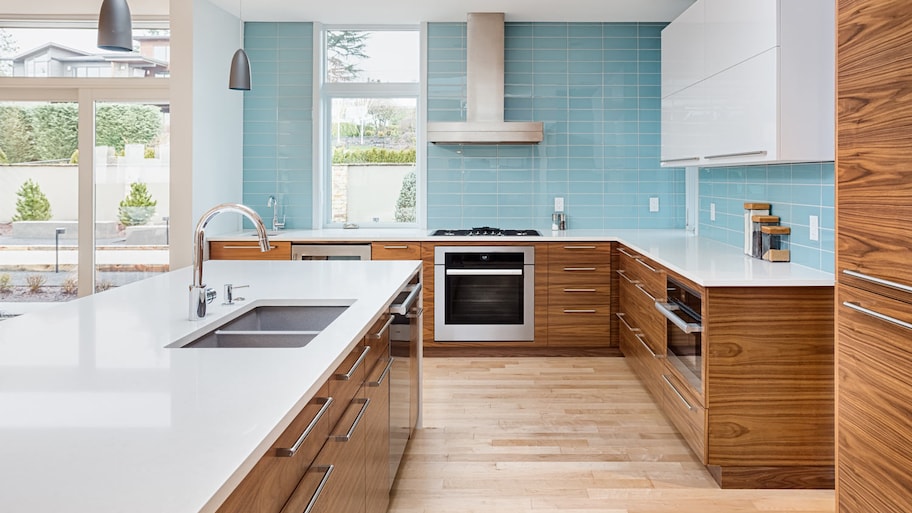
(484, 122)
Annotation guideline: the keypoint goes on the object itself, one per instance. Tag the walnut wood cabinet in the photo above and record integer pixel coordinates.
(762, 415)
(334, 457)
(396, 250)
(579, 294)
(873, 248)
(249, 250)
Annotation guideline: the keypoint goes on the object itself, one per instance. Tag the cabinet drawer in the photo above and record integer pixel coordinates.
(579, 294)
(575, 253)
(578, 275)
(647, 366)
(378, 340)
(685, 412)
(396, 251)
(278, 472)
(249, 250)
(579, 325)
(347, 380)
(640, 312)
(643, 271)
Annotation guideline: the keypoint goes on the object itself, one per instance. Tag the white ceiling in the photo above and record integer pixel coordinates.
(381, 11)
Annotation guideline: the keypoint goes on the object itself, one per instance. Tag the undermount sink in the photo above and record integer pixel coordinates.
(270, 326)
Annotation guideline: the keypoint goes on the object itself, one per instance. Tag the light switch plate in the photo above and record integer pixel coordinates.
(653, 204)
(558, 204)
(712, 211)
(814, 223)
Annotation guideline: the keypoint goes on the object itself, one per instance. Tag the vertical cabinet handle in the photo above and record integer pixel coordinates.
(351, 372)
(290, 452)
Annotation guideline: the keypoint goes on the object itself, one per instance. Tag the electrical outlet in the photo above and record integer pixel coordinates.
(712, 211)
(653, 204)
(558, 204)
(815, 228)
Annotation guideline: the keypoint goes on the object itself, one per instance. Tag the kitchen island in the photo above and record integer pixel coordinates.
(98, 414)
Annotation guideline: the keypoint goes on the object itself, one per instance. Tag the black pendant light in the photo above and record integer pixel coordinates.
(115, 27)
(239, 74)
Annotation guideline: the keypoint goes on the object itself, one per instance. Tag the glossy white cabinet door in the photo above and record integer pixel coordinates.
(745, 113)
(686, 117)
(736, 31)
(682, 50)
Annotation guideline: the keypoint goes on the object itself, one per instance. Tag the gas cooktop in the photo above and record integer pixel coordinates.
(485, 231)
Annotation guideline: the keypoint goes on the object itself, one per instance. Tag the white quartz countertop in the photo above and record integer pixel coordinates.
(706, 262)
(98, 416)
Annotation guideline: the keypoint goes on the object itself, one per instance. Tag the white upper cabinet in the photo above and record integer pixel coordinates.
(765, 87)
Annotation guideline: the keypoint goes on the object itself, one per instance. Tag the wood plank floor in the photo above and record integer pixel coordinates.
(568, 435)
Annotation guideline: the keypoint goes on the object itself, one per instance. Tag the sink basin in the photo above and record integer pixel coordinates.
(270, 326)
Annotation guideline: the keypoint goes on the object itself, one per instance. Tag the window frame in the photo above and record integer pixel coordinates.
(327, 91)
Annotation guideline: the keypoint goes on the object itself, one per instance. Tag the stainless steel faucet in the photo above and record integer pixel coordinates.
(274, 203)
(199, 296)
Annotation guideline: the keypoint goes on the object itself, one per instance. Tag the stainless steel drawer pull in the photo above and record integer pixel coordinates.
(580, 311)
(877, 315)
(644, 291)
(351, 372)
(642, 340)
(382, 375)
(682, 159)
(579, 247)
(579, 269)
(623, 274)
(624, 322)
(379, 334)
(677, 393)
(579, 290)
(739, 154)
(484, 272)
(647, 266)
(879, 281)
(327, 470)
(290, 452)
(351, 431)
(668, 310)
(625, 253)
(252, 246)
(395, 247)
(415, 313)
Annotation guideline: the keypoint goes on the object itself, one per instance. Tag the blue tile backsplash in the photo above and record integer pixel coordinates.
(596, 87)
(278, 127)
(795, 191)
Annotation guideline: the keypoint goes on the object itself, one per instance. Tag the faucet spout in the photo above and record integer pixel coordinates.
(198, 296)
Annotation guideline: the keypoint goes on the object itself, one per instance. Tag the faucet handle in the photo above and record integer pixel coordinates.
(229, 293)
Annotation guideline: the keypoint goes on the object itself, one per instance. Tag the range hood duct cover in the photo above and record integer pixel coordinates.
(484, 122)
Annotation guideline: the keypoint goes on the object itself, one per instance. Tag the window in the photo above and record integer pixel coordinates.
(370, 112)
(76, 224)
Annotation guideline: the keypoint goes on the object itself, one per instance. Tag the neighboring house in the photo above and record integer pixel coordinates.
(56, 60)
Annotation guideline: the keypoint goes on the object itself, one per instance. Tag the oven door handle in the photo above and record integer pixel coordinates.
(668, 309)
(484, 272)
(403, 308)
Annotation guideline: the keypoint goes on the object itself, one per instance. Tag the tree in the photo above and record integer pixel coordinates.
(32, 204)
(119, 124)
(405, 205)
(17, 134)
(8, 48)
(343, 49)
(56, 129)
(138, 207)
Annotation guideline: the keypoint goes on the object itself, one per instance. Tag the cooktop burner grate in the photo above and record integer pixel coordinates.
(486, 231)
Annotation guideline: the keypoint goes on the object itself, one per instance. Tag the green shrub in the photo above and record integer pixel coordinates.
(74, 158)
(3, 157)
(405, 205)
(149, 153)
(32, 204)
(374, 156)
(138, 207)
(6, 284)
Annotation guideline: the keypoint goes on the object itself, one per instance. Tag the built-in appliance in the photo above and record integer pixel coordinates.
(330, 252)
(484, 293)
(685, 326)
(485, 231)
(405, 358)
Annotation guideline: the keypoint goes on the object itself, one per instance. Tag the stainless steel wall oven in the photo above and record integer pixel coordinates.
(484, 293)
(684, 331)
